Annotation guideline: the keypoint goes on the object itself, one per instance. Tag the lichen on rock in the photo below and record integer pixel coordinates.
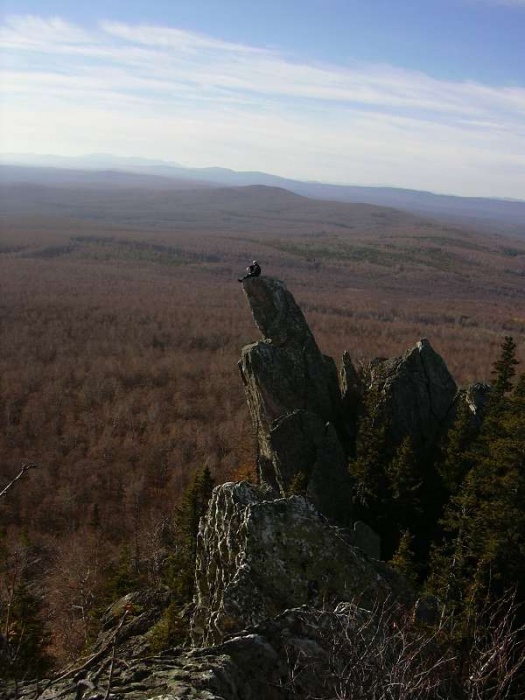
(258, 557)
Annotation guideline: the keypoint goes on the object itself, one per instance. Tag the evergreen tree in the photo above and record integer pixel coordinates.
(404, 559)
(26, 635)
(519, 390)
(187, 517)
(180, 566)
(368, 468)
(485, 520)
(122, 577)
(192, 508)
(404, 479)
(23, 635)
(504, 369)
(455, 462)
(404, 486)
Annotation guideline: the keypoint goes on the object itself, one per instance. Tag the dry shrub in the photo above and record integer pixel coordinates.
(386, 654)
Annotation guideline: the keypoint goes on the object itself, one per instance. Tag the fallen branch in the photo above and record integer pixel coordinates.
(25, 468)
(89, 663)
(113, 653)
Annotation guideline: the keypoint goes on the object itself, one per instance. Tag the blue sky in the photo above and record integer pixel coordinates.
(426, 95)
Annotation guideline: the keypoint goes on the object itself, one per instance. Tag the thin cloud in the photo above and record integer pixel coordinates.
(507, 3)
(252, 107)
(176, 39)
(159, 53)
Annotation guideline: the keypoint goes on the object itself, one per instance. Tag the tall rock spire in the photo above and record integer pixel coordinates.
(294, 399)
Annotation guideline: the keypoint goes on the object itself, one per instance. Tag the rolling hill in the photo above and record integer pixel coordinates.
(507, 216)
(252, 208)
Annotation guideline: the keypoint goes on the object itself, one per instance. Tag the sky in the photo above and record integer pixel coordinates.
(420, 94)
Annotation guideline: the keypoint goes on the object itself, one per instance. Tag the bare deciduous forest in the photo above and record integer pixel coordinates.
(118, 373)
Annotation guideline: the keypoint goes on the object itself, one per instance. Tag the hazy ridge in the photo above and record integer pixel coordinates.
(120, 173)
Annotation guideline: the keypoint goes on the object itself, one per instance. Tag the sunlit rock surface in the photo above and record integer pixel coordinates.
(293, 655)
(258, 557)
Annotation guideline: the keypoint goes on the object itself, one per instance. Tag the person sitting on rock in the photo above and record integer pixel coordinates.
(254, 270)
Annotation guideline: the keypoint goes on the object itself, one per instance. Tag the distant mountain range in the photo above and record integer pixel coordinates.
(104, 171)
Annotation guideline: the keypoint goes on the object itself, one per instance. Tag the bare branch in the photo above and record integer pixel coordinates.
(25, 468)
(113, 653)
(385, 654)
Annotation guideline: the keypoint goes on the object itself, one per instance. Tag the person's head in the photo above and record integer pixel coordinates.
(255, 262)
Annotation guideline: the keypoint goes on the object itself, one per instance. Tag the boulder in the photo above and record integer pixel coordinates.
(257, 558)
(417, 392)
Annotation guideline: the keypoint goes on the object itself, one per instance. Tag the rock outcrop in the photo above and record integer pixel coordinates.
(279, 590)
(476, 396)
(417, 393)
(352, 391)
(308, 459)
(294, 400)
(258, 557)
(305, 418)
(302, 653)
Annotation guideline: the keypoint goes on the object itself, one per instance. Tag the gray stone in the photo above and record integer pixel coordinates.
(366, 539)
(476, 396)
(284, 374)
(256, 558)
(307, 458)
(417, 392)
(275, 311)
(282, 379)
(300, 653)
(351, 394)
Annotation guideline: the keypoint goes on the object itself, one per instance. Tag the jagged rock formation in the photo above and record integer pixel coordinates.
(417, 392)
(275, 584)
(352, 391)
(476, 396)
(258, 557)
(309, 459)
(294, 400)
(275, 578)
(305, 419)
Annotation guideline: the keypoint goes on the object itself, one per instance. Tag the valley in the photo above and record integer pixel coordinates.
(122, 322)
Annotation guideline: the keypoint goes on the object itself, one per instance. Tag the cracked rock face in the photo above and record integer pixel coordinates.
(256, 558)
(275, 311)
(418, 392)
(294, 400)
(308, 458)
